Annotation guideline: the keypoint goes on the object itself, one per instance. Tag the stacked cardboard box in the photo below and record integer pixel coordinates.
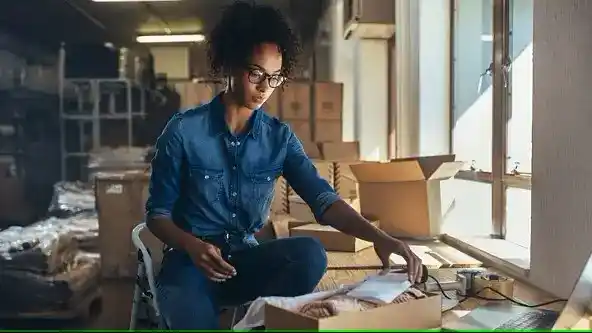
(312, 109)
(196, 93)
(295, 101)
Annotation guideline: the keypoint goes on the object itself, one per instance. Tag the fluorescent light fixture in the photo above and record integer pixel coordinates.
(171, 38)
(136, 0)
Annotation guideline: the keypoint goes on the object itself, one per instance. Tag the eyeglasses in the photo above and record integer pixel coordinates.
(257, 76)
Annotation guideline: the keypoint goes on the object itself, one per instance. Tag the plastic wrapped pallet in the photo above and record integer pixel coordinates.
(28, 292)
(71, 198)
(44, 247)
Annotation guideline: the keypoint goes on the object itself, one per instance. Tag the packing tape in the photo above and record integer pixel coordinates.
(483, 282)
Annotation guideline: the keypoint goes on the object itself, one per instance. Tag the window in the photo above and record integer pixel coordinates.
(472, 87)
(520, 87)
(491, 107)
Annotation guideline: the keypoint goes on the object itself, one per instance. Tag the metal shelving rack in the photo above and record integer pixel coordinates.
(89, 101)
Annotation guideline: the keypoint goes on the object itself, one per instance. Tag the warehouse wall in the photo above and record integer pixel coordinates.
(562, 159)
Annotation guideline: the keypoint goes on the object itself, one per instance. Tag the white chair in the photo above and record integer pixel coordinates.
(146, 274)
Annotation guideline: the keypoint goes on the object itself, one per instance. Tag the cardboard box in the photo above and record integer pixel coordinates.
(120, 200)
(272, 105)
(325, 170)
(404, 194)
(346, 183)
(195, 94)
(425, 313)
(331, 238)
(327, 130)
(299, 209)
(340, 151)
(328, 100)
(301, 128)
(295, 101)
(311, 149)
(282, 223)
(279, 203)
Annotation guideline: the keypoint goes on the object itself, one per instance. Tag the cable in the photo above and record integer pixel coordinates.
(505, 298)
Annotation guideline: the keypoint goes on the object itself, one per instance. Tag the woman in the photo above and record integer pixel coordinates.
(213, 177)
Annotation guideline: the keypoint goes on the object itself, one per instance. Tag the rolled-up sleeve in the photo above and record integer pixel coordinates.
(166, 169)
(306, 181)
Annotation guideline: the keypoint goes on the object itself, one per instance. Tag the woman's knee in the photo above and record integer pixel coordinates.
(311, 252)
(186, 297)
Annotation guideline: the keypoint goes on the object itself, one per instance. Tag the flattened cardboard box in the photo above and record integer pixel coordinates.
(331, 238)
(404, 194)
(423, 313)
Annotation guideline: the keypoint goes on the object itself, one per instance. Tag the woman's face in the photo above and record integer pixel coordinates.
(254, 84)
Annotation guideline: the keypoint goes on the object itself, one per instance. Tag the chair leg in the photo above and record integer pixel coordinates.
(137, 299)
(234, 313)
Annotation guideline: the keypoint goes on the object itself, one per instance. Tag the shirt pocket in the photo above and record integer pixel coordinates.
(263, 183)
(206, 184)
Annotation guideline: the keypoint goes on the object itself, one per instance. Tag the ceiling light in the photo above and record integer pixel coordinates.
(135, 0)
(171, 38)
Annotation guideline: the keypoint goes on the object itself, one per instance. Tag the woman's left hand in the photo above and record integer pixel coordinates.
(392, 245)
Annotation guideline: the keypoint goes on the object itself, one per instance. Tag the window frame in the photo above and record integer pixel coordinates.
(499, 178)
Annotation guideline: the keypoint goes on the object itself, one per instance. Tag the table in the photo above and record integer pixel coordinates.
(334, 278)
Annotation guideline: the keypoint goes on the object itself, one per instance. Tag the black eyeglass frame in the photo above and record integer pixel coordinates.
(256, 79)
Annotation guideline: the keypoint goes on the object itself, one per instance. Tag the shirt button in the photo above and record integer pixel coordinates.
(234, 167)
(206, 177)
(233, 215)
(234, 194)
(238, 143)
(232, 143)
(268, 178)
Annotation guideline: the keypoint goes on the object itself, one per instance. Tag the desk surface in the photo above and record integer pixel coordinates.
(527, 294)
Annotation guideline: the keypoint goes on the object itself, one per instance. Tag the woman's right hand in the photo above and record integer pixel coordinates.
(209, 259)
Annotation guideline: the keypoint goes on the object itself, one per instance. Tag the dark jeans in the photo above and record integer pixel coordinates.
(284, 267)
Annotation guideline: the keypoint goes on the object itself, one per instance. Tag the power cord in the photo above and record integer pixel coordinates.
(476, 295)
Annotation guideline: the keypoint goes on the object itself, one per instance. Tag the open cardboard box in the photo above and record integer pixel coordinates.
(404, 194)
(424, 313)
(331, 238)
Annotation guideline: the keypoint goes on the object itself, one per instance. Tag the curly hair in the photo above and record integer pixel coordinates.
(243, 26)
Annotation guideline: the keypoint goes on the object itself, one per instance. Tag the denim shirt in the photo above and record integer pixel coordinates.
(215, 184)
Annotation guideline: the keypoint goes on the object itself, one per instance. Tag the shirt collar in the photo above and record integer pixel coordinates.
(218, 124)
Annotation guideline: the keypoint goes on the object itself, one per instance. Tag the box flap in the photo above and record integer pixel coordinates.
(340, 151)
(407, 169)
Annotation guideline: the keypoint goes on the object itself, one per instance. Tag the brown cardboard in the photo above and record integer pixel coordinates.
(279, 203)
(346, 183)
(311, 149)
(331, 238)
(299, 209)
(301, 128)
(282, 224)
(339, 151)
(295, 101)
(424, 313)
(325, 170)
(272, 105)
(404, 194)
(195, 94)
(327, 130)
(328, 100)
(120, 205)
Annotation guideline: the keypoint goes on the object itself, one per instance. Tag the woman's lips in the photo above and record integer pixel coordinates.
(259, 99)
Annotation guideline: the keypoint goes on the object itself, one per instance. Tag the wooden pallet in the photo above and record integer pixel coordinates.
(81, 309)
